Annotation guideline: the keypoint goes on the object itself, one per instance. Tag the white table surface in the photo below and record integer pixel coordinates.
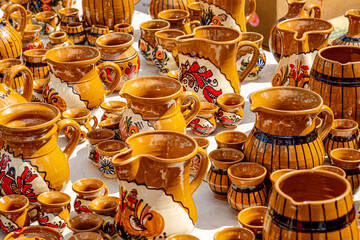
(213, 214)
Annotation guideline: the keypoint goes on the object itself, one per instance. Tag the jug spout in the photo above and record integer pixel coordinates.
(126, 165)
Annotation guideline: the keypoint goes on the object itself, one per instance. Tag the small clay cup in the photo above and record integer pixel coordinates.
(231, 139)
(230, 113)
(204, 123)
(113, 125)
(194, 11)
(178, 19)
(95, 32)
(125, 28)
(86, 236)
(252, 218)
(87, 222)
(76, 33)
(58, 39)
(182, 237)
(68, 15)
(195, 161)
(35, 232)
(108, 149)
(234, 233)
(48, 20)
(112, 109)
(333, 169)
(94, 137)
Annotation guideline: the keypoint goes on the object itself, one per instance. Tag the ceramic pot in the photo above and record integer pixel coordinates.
(230, 113)
(285, 123)
(117, 48)
(153, 103)
(30, 39)
(204, 123)
(164, 53)
(333, 169)
(217, 177)
(227, 13)
(147, 38)
(234, 233)
(231, 139)
(344, 133)
(48, 20)
(76, 33)
(58, 39)
(107, 150)
(73, 73)
(94, 137)
(88, 189)
(35, 61)
(182, 237)
(96, 31)
(34, 232)
(194, 9)
(11, 47)
(83, 117)
(195, 161)
(165, 197)
(296, 9)
(212, 73)
(244, 58)
(297, 54)
(178, 19)
(68, 15)
(88, 222)
(29, 156)
(157, 6)
(125, 28)
(112, 109)
(252, 218)
(352, 37)
(335, 77)
(15, 212)
(297, 209)
(54, 210)
(348, 160)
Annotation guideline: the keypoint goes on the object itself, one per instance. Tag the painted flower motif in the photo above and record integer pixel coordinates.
(47, 29)
(299, 72)
(142, 46)
(132, 130)
(46, 1)
(159, 55)
(106, 166)
(46, 7)
(215, 20)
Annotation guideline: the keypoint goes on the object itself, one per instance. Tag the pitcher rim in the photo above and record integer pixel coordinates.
(319, 54)
(95, 59)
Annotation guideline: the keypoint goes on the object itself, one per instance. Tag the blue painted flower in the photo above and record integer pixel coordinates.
(105, 165)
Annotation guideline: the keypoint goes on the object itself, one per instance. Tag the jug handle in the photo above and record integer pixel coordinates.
(32, 208)
(200, 175)
(194, 24)
(254, 59)
(329, 118)
(195, 106)
(13, 8)
(252, 8)
(75, 137)
(117, 70)
(106, 190)
(87, 123)
(9, 80)
(313, 7)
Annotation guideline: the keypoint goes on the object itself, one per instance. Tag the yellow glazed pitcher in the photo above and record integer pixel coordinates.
(155, 191)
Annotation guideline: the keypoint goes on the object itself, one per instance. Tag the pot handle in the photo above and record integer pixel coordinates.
(33, 207)
(87, 123)
(313, 7)
(106, 190)
(194, 24)
(195, 104)
(329, 118)
(13, 8)
(9, 80)
(252, 8)
(251, 47)
(117, 70)
(73, 142)
(200, 175)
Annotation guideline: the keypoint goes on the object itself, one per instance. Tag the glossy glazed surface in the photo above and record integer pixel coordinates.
(35, 232)
(352, 37)
(230, 113)
(157, 6)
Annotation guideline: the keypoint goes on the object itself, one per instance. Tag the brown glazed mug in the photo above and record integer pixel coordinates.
(94, 137)
(112, 109)
(76, 33)
(178, 19)
(95, 32)
(34, 233)
(68, 15)
(195, 11)
(231, 139)
(204, 123)
(125, 28)
(58, 39)
(252, 218)
(230, 113)
(108, 149)
(88, 222)
(234, 233)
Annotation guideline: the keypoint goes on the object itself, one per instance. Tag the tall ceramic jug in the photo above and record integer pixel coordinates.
(154, 103)
(11, 45)
(352, 37)
(155, 191)
(296, 9)
(207, 61)
(301, 39)
(284, 135)
(157, 6)
(30, 160)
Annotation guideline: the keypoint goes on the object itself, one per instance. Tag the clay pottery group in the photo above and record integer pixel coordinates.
(68, 15)
(117, 48)
(165, 197)
(204, 123)
(11, 46)
(87, 190)
(147, 38)
(73, 73)
(107, 150)
(154, 103)
(164, 54)
(88, 222)
(296, 209)
(94, 137)
(58, 39)
(30, 39)
(212, 73)
(35, 61)
(29, 156)
(217, 177)
(48, 20)
(229, 13)
(112, 109)
(352, 37)
(15, 212)
(296, 9)
(125, 28)
(301, 39)
(230, 113)
(194, 11)
(34, 232)
(96, 31)
(348, 160)
(195, 161)
(76, 33)
(344, 133)
(252, 218)
(284, 134)
(231, 139)
(178, 19)
(335, 76)
(234, 233)
(157, 6)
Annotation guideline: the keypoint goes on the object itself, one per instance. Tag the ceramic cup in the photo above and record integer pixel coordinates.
(76, 33)
(84, 118)
(204, 123)
(234, 233)
(231, 139)
(113, 125)
(195, 161)
(195, 11)
(30, 39)
(125, 28)
(95, 32)
(252, 218)
(86, 236)
(34, 233)
(182, 237)
(218, 179)
(58, 39)
(94, 137)
(68, 15)
(230, 113)
(54, 209)
(112, 109)
(88, 189)
(178, 19)
(330, 168)
(15, 212)
(108, 149)
(48, 21)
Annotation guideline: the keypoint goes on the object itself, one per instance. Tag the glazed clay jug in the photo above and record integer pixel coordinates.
(284, 134)
(229, 13)
(157, 6)
(10, 46)
(212, 73)
(74, 78)
(153, 103)
(31, 161)
(296, 9)
(301, 39)
(155, 191)
(352, 37)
